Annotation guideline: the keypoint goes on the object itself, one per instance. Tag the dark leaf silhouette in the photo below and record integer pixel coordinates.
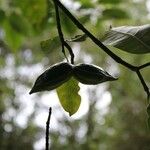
(53, 77)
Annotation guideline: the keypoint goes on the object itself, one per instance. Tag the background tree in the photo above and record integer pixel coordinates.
(23, 25)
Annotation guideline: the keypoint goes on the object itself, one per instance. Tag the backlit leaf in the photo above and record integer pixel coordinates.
(69, 97)
(78, 38)
(50, 44)
(115, 13)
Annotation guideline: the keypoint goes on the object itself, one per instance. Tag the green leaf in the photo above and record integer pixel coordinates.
(12, 38)
(148, 110)
(2, 16)
(78, 38)
(69, 97)
(148, 122)
(33, 10)
(19, 24)
(67, 24)
(115, 13)
(50, 45)
(86, 4)
(109, 1)
(132, 39)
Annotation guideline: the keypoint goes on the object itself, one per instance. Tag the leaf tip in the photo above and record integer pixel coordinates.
(112, 78)
(70, 114)
(31, 91)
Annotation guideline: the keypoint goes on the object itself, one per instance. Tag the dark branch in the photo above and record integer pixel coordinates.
(59, 29)
(94, 39)
(104, 48)
(144, 84)
(144, 66)
(70, 51)
(63, 42)
(47, 128)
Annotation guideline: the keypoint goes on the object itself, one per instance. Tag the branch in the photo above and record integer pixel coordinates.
(94, 39)
(104, 48)
(144, 66)
(144, 84)
(63, 42)
(47, 129)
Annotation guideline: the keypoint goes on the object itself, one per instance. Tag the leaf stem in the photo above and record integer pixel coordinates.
(144, 84)
(63, 42)
(94, 39)
(47, 128)
(131, 67)
(144, 66)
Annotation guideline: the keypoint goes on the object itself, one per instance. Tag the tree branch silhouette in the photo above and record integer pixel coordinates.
(47, 129)
(61, 36)
(119, 60)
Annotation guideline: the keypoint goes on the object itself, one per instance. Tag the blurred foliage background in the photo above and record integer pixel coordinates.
(121, 125)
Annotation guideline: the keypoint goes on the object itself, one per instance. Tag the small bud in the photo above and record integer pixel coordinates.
(53, 77)
(91, 74)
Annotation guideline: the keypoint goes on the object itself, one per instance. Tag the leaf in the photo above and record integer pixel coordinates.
(50, 45)
(148, 122)
(78, 38)
(67, 24)
(53, 77)
(69, 97)
(148, 110)
(19, 24)
(91, 74)
(33, 10)
(2, 16)
(12, 38)
(86, 4)
(109, 1)
(115, 13)
(132, 39)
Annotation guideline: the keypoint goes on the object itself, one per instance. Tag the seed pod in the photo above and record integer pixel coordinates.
(53, 77)
(91, 74)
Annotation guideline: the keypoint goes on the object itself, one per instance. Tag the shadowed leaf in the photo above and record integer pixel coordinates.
(52, 78)
(132, 39)
(91, 74)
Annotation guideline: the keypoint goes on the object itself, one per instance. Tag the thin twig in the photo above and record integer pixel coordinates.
(94, 39)
(47, 128)
(70, 51)
(104, 48)
(59, 30)
(144, 84)
(63, 42)
(144, 66)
